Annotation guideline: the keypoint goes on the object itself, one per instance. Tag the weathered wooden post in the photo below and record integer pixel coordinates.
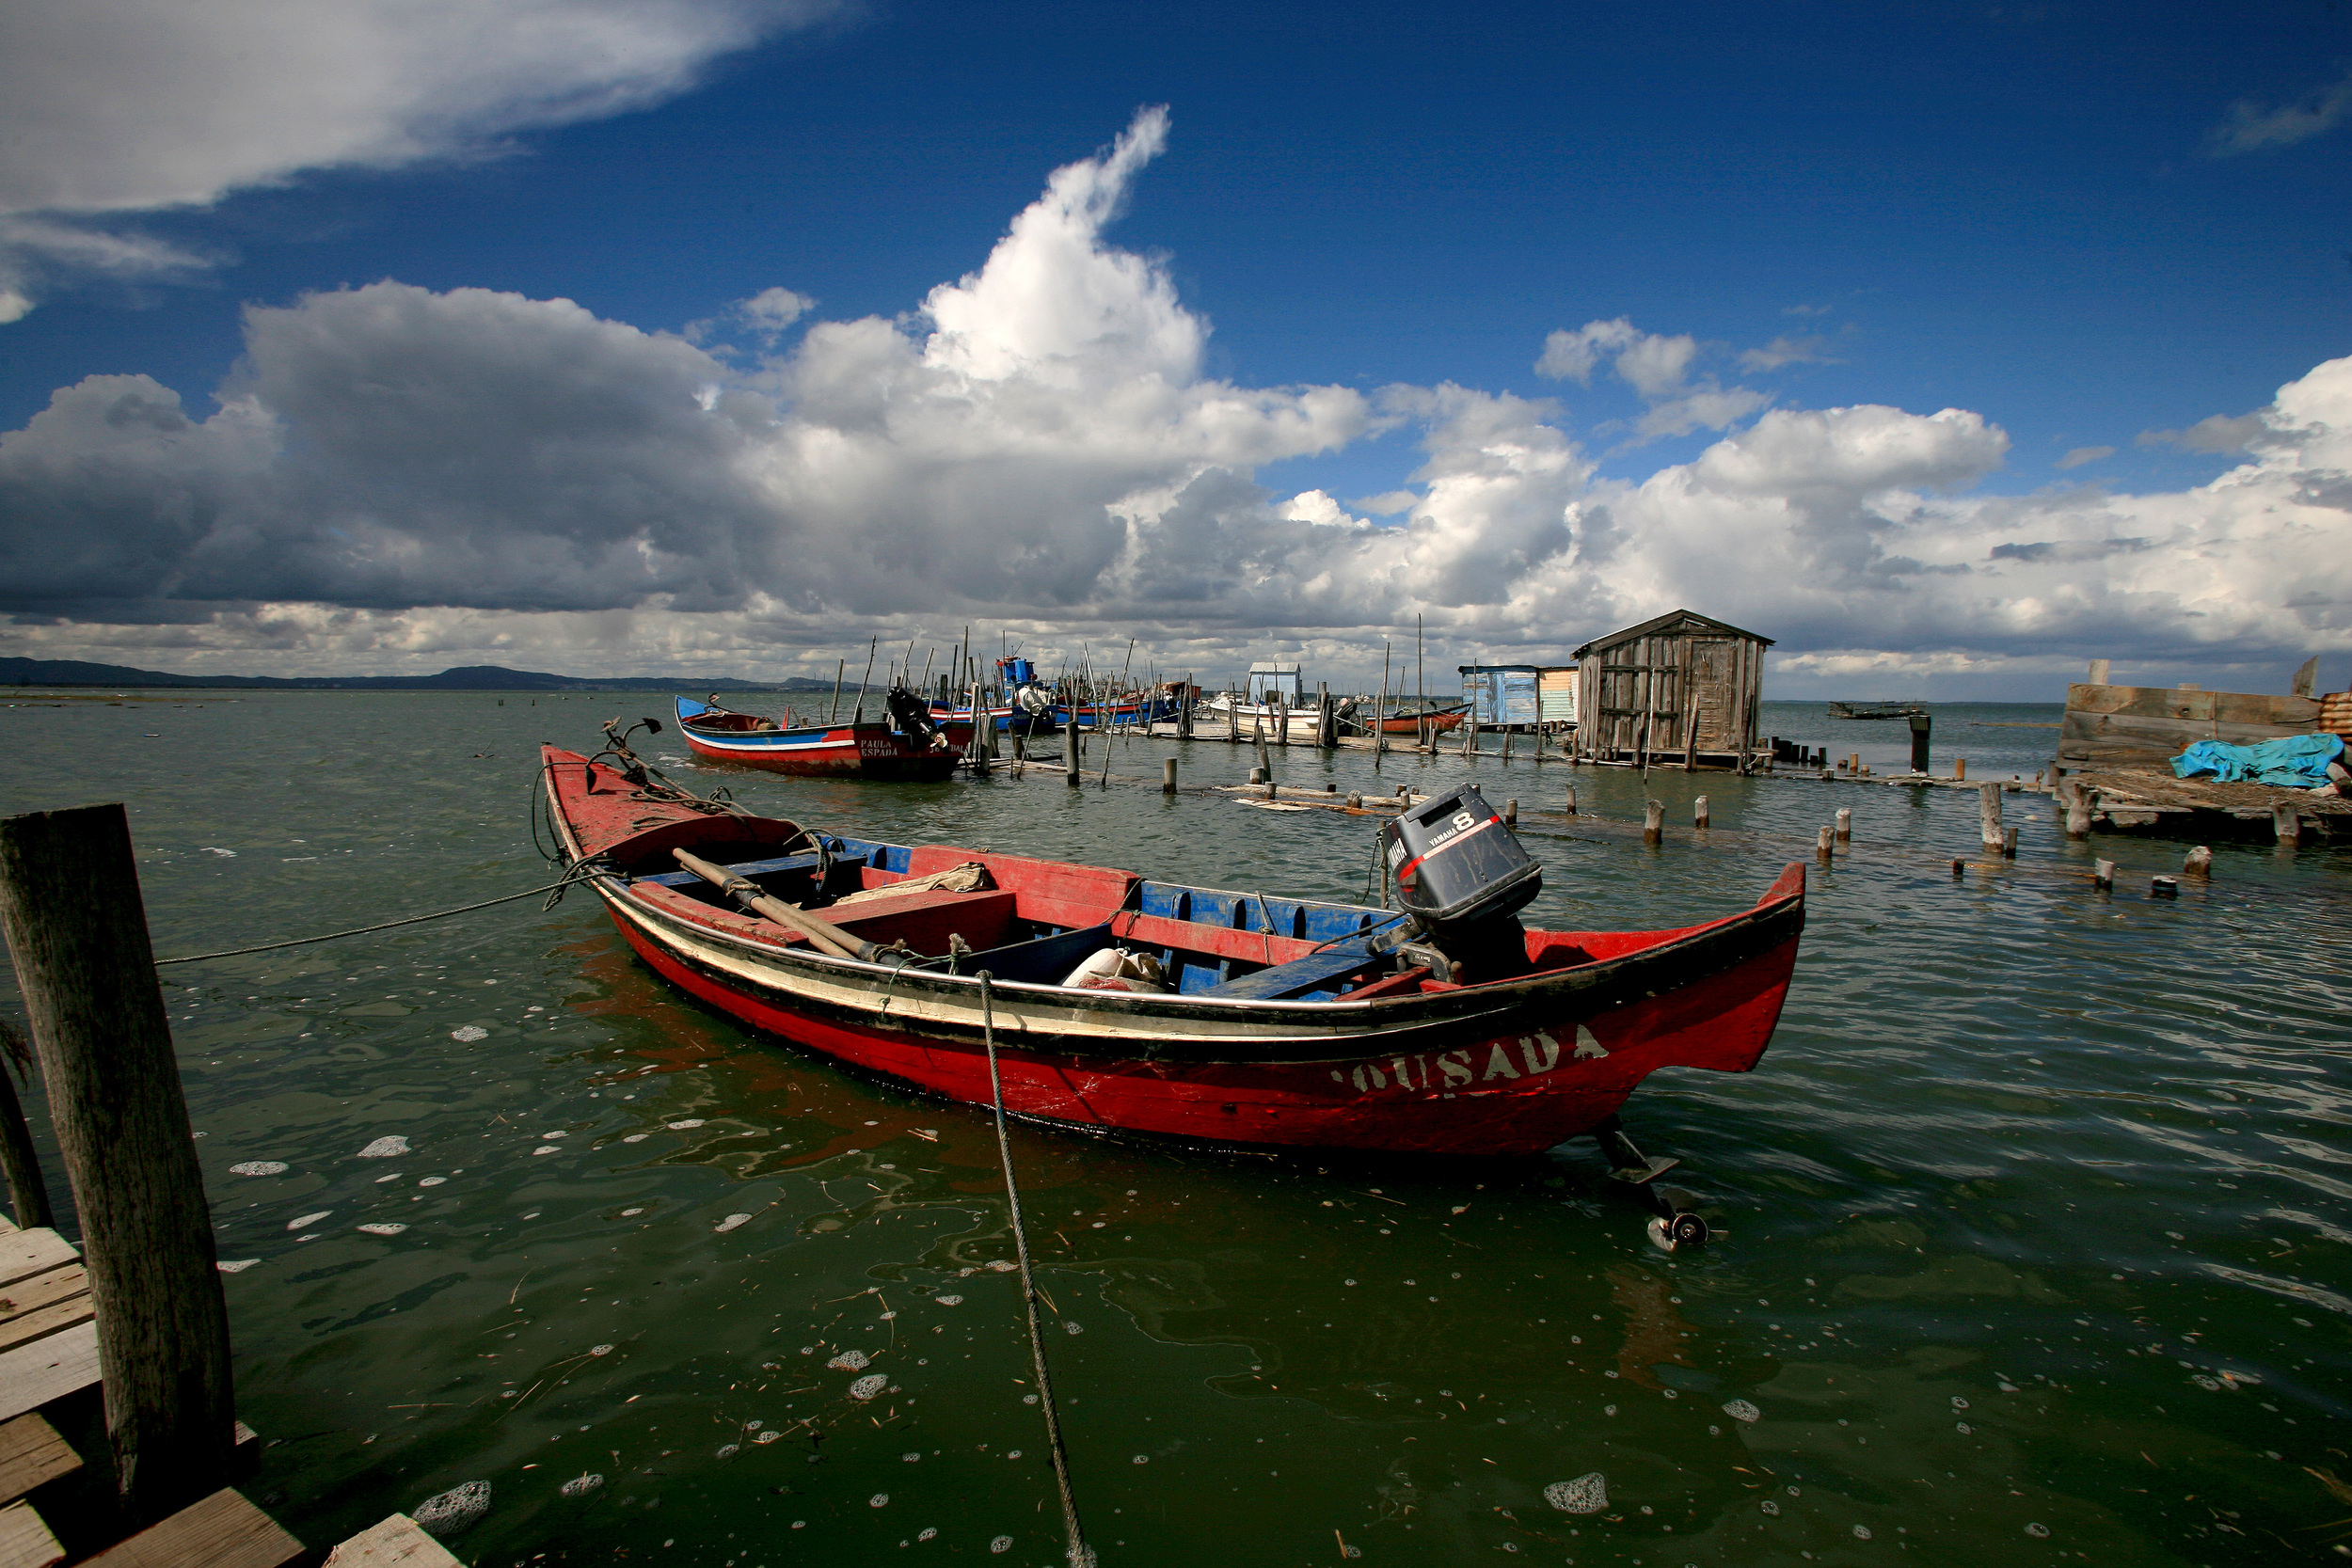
(1699, 816)
(1989, 816)
(1653, 821)
(1282, 719)
(2009, 844)
(1511, 813)
(2286, 825)
(1184, 710)
(2102, 875)
(1506, 743)
(1327, 722)
(2199, 863)
(1167, 776)
(2098, 672)
(2077, 799)
(1959, 869)
(28, 1194)
(1822, 850)
(1257, 731)
(2164, 887)
(1571, 796)
(1959, 770)
(77, 929)
(1845, 824)
(1922, 731)
(1073, 765)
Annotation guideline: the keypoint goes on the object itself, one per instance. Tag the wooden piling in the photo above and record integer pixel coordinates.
(1072, 765)
(1167, 776)
(1257, 733)
(1511, 813)
(2009, 844)
(2286, 824)
(1960, 869)
(1989, 816)
(1960, 769)
(1822, 851)
(2077, 796)
(2103, 874)
(2163, 887)
(2199, 863)
(1845, 824)
(76, 926)
(1699, 813)
(1653, 821)
(1571, 796)
(1282, 719)
(28, 1194)
(1260, 775)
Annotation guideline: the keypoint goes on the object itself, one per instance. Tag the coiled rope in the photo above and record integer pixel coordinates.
(579, 873)
(1080, 1555)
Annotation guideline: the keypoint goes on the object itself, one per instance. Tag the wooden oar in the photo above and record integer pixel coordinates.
(823, 935)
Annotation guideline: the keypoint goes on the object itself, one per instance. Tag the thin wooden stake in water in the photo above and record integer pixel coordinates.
(69, 904)
(1653, 821)
(1080, 1555)
(1822, 850)
(1698, 810)
(1989, 816)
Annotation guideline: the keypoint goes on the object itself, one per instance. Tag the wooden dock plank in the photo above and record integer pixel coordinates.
(32, 1252)
(222, 1532)
(35, 1307)
(32, 1375)
(398, 1540)
(24, 1541)
(32, 1454)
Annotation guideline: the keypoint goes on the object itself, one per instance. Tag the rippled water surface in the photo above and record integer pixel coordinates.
(2036, 1212)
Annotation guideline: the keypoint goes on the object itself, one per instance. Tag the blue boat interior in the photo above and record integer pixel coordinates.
(1203, 937)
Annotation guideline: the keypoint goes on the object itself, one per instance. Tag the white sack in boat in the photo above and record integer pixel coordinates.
(1117, 969)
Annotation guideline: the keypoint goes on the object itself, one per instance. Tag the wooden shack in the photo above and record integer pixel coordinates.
(1683, 688)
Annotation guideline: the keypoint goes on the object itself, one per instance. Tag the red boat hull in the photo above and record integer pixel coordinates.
(1510, 1094)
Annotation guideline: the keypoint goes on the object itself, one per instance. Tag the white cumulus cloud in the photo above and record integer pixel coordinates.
(402, 478)
(111, 107)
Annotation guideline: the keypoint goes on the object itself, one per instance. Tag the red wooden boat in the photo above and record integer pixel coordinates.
(1284, 1021)
(914, 751)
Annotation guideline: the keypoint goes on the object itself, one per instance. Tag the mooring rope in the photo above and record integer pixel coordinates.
(579, 873)
(1080, 1555)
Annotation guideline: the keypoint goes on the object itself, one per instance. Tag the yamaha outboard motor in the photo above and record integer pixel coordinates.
(1462, 875)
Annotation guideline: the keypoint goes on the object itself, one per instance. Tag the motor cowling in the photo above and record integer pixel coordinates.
(1455, 864)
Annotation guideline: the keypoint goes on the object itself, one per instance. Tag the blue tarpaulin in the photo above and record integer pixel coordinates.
(2291, 762)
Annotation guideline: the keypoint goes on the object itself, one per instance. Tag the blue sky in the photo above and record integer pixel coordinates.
(2083, 225)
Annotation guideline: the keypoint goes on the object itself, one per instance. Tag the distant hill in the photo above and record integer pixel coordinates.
(468, 677)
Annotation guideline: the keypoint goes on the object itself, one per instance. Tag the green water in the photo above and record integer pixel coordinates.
(2035, 1240)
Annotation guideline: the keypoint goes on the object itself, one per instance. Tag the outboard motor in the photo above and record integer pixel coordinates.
(911, 716)
(1463, 877)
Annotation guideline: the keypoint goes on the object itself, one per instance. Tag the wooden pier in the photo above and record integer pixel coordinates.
(118, 1442)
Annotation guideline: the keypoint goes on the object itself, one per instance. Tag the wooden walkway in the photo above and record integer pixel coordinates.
(48, 1357)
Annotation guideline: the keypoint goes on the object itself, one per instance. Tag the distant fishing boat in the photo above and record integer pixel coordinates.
(914, 751)
(1436, 719)
(1877, 710)
(1118, 1002)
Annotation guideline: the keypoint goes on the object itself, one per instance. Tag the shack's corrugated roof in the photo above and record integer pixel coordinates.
(1662, 622)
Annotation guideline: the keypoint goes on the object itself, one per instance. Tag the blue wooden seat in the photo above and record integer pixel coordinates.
(1321, 969)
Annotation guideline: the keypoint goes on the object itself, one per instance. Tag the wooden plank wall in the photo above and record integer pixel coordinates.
(2147, 726)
